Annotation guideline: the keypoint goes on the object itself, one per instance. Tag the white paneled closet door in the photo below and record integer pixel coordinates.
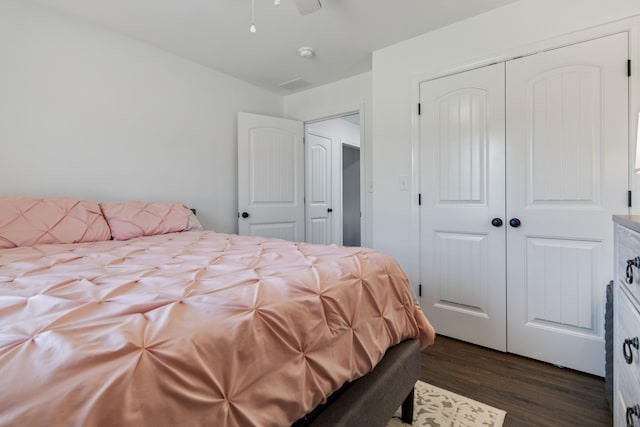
(566, 154)
(462, 183)
(567, 173)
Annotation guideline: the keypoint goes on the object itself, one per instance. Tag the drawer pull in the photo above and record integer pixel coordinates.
(627, 351)
(630, 264)
(631, 411)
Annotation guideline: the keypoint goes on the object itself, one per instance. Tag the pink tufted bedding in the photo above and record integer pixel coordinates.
(196, 328)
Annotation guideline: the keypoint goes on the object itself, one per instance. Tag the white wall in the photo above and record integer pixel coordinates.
(397, 69)
(348, 95)
(89, 113)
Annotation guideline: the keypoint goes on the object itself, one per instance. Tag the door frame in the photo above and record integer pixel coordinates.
(631, 26)
(364, 214)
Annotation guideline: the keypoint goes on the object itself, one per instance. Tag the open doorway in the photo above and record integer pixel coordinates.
(351, 195)
(333, 181)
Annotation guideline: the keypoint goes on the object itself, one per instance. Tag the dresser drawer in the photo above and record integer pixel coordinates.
(620, 412)
(628, 375)
(627, 248)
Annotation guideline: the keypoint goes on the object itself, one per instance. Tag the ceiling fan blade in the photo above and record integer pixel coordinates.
(306, 7)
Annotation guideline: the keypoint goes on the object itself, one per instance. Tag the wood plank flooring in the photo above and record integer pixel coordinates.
(533, 393)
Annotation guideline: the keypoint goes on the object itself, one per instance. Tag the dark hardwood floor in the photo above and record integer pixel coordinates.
(533, 393)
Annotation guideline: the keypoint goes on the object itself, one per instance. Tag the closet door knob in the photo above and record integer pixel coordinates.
(245, 215)
(496, 222)
(515, 222)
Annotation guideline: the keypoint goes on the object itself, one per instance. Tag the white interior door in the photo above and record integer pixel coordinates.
(325, 180)
(270, 177)
(567, 173)
(462, 149)
(319, 189)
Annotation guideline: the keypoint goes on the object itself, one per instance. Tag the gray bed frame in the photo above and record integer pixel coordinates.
(373, 399)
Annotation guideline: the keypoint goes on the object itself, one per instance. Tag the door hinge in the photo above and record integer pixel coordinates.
(629, 198)
(420, 290)
(419, 199)
(628, 67)
(419, 108)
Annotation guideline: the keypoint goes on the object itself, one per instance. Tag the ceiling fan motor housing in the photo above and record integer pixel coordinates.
(306, 7)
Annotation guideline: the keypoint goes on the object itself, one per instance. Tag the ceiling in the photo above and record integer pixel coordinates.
(215, 33)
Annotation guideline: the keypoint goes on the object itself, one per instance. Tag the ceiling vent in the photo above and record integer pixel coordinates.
(306, 7)
(295, 84)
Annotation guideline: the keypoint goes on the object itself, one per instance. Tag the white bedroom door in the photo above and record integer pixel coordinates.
(319, 189)
(567, 174)
(462, 151)
(270, 177)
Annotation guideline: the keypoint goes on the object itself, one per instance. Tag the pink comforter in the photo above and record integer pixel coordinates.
(191, 329)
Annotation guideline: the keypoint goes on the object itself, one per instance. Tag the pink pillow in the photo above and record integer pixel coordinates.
(134, 219)
(27, 221)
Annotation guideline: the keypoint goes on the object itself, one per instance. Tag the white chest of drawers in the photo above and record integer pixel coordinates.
(626, 329)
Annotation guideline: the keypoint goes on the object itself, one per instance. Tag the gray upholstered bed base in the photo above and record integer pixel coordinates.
(371, 400)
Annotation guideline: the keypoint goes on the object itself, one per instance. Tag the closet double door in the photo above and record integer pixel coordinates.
(522, 164)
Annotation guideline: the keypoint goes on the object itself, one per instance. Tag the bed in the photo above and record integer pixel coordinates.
(153, 326)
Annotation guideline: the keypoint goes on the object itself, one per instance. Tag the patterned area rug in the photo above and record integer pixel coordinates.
(435, 407)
